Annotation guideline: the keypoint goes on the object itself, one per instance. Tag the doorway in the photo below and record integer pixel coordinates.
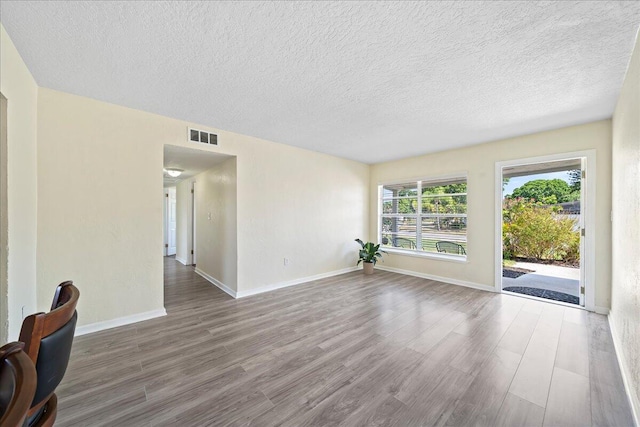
(186, 192)
(170, 221)
(193, 223)
(543, 215)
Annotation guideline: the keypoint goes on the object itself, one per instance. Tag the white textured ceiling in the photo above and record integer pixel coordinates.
(190, 160)
(370, 81)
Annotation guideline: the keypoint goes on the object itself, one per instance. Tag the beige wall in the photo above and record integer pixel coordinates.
(298, 204)
(625, 292)
(100, 205)
(216, 223)
(478, 162)
(21, 91)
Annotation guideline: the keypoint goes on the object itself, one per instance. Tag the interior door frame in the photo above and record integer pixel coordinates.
(165, 231)
(170, 192)
(4, 220)
(587, 217)
(193, 223)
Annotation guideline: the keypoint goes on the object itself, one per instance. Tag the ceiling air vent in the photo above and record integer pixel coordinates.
(202, 137)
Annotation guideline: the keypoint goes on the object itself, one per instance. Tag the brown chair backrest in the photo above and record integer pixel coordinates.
(48, 338)
(17, 384)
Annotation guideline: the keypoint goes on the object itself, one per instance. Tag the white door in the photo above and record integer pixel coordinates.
(171, 222)
(582, 160)
(583, 226)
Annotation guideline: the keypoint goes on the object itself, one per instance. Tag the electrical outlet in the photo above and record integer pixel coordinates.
(286, 262)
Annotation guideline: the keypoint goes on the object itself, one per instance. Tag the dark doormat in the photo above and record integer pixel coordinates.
(544, 293)
(515, 272)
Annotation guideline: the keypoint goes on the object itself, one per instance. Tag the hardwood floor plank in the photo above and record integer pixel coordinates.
(337, 408)
(425, 379)
(203, 381)
(599, 334)
(610, 406)
(569, 401)
(516, 411)
(294, 405)
(349, 350)
(412, 330)
(519, 333)
(379, 412)
(299, 401)
(481, 402)
(609, 403)
(103, 414)
(78, 381)
(573, 348)
(533, 378)
(534, 307)
(434, 405)
(481, 345)
(237, 407)
(576, 315)
(439, 330)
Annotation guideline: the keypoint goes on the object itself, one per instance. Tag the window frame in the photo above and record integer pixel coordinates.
(431, 182)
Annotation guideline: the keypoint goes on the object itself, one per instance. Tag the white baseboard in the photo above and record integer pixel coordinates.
(268, 288)
(215, 282)
(120, 321)
(438, 278)
(626, 377)
(181, 261)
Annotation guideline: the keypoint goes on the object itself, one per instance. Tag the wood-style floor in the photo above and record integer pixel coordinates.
(382, 350)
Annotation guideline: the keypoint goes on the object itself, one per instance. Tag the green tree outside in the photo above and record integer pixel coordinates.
(546, 191)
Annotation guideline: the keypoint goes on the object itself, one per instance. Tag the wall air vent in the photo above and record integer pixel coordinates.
(202, 137)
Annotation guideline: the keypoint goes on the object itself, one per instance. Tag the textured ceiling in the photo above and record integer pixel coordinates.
(370, 81)
(190, 160)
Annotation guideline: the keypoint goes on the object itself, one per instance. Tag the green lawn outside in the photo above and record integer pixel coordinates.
(428, 245)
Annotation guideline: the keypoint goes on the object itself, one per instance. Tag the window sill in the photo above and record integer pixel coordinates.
(428, 255)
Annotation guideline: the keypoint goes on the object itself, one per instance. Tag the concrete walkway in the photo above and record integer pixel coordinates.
(550, 277)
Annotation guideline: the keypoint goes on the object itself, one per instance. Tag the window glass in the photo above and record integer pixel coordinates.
(425, 216)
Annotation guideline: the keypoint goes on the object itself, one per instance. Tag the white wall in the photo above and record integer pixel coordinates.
(625, 279)
(478, 162)
(216, 223)
(21, 91)
(183, 221)
(100, 205)
(298, 204)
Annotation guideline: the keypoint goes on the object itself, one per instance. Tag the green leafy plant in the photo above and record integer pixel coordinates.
(369, 252)
(531, 230)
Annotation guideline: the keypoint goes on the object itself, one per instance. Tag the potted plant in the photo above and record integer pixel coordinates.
(369, 255)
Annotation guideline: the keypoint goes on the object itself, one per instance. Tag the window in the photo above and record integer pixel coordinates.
(424, 217)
